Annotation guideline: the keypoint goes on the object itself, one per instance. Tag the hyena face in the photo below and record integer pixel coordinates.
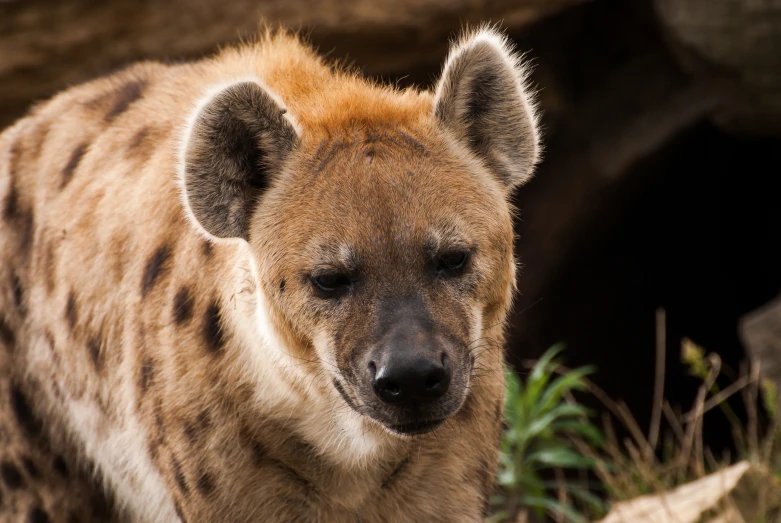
(398, 248)
(383, 242)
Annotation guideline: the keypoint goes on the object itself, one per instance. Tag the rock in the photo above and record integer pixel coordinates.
(738, 40)
(49, 44)
(737, 494)
(760, 331)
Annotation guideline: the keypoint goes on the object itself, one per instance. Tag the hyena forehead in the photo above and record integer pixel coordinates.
(383, 192)
(243, 142)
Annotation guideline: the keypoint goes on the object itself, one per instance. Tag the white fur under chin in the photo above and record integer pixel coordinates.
(321, 416)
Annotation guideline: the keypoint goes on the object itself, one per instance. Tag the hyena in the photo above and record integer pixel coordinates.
(259, 287)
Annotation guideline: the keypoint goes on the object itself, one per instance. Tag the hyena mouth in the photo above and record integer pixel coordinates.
(416, 427)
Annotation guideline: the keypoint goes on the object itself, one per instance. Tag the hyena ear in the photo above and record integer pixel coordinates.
(482, 99)
(238, 141)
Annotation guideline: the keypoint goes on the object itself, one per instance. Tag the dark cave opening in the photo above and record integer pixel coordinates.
(696, 237)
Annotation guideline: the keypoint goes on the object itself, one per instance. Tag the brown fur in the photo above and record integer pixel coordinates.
(126, 327)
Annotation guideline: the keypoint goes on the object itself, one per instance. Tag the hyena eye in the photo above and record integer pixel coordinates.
(330, 284)
(452, 262)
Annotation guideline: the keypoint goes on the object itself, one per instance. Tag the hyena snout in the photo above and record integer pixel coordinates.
(409, 367)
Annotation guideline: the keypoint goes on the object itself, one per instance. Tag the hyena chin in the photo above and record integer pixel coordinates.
(257, 287)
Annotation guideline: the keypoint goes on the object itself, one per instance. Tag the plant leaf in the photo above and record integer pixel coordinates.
(560, 457)
(541, 374)
(554, 506)
(583, 427)
(572, 380)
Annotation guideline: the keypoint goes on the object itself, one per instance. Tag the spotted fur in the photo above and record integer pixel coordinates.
(163, 353)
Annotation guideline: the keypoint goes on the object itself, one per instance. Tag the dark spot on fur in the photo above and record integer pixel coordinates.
(38, 515)
(258, 451)
(102, 405)
(179, 476)
(207, 249)
(337, 145)
(147, 374)
(205, 484)
(95, 354)
(102, 505)
(372, 136)
(179, 512)
(282, 284)
(154, 267)
(73, 164)
(31, 469)
(190, 431)
(39, 136)
(203, 420)
(12, 476)
(212, 331)
(319, 151)
(183, 306)
(71, 314)
(393, 476)
(145, 142)
(138, 138)
(159, 420)
(6, 334)
(50, 267)
(16, 286)
(159, 438)
(11, 203)
(126, 95)
(60, 467)
(413, 143)
(23, 412)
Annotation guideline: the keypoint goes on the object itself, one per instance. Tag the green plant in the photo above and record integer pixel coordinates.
(543, 422)
(548, 432)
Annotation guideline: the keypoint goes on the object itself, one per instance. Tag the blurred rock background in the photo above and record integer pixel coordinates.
(663, 129)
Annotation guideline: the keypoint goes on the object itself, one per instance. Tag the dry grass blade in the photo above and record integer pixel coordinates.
(694, 427)
(721, 396)
(661, 351)
(674, 422)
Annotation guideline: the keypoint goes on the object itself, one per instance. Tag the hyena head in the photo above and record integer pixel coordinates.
(381, 228)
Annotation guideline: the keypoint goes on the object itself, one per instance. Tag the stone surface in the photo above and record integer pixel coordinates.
(49, 44)
(735, 494)
(738, 40)
(760, 331)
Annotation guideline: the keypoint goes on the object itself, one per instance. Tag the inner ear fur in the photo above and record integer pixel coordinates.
(239, 140)
(483, 100)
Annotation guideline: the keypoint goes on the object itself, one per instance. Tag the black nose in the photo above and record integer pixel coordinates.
(411, 379)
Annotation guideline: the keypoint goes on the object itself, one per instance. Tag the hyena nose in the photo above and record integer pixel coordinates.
(411, 379)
